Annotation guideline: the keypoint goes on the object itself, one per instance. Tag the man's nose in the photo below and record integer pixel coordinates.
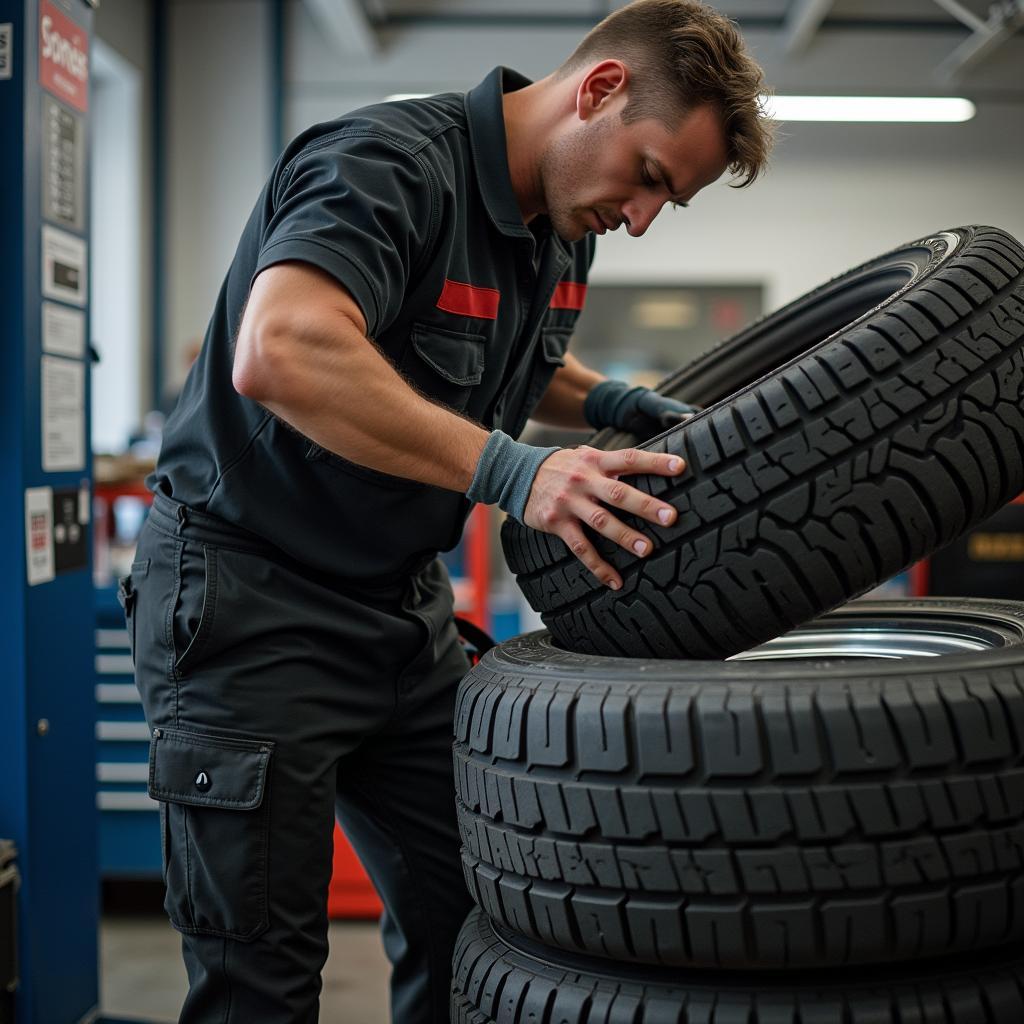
(640, 214)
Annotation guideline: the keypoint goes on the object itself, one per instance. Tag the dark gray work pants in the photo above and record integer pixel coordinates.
(276, 701)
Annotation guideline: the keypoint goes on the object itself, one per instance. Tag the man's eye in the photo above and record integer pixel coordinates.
(645, 175)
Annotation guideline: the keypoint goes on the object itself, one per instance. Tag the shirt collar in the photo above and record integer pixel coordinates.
(490, 149)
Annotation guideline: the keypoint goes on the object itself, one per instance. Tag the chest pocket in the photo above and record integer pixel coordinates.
(445, 365)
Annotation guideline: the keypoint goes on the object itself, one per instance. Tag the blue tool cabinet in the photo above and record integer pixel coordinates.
(129, 819)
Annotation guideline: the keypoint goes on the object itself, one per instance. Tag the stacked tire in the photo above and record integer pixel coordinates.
(677, 807)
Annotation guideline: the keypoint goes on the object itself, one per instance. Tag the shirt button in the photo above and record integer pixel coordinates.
(203, 782)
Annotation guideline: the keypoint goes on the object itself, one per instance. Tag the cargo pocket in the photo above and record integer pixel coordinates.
(448, 366)
(214, 818)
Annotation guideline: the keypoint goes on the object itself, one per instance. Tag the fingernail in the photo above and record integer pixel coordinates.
(639, 547)
(613, 584)
(675, 465)
(664, 516)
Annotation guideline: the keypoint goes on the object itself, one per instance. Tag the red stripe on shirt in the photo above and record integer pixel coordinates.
(569, 295)
(468, 300)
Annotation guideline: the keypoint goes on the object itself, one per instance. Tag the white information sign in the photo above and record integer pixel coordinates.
(63, 330)
(65, 275)
(39, 560)
(63, 418)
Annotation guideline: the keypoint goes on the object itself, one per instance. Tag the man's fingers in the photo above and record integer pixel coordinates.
(587, 554)
(633, 461)
(629, 499)
(574, 488)
(601, 521)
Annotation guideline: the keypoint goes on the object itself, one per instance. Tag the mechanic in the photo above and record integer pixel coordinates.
(399, 303)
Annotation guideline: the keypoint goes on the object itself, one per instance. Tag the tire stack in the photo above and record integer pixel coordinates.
(679, 808)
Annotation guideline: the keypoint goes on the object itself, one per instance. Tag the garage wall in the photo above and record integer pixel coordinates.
(218, 127)
(125, 26)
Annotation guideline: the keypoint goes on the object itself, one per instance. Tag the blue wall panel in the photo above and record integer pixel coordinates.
(47, 732)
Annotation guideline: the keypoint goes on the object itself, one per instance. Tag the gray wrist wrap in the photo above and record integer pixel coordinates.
(505, 472)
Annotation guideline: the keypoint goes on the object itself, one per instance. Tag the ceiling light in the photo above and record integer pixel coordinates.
(903, 109)
(880, 109)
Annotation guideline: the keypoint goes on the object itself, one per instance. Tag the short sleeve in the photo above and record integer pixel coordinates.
(360, 208)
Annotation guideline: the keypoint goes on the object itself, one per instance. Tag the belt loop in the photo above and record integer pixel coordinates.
(182, 512)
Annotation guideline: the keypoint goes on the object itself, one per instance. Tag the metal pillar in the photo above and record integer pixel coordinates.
(47, 737)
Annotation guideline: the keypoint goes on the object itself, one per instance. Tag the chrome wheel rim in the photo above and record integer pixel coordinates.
(880, 637)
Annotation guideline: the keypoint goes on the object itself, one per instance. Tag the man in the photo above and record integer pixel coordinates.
(399, 303)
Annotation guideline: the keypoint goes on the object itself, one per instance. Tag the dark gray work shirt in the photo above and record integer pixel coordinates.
(409, 205)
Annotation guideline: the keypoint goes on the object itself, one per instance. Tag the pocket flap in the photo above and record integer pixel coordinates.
(208, 771)
(554, 341)
(455, 355)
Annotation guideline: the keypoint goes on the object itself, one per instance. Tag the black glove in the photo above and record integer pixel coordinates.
(638, 410)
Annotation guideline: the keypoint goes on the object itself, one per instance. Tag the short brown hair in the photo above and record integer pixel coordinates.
(682, 54)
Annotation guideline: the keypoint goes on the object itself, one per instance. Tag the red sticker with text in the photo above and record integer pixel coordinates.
(63, 57)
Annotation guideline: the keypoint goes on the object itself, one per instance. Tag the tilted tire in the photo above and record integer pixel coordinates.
(497, 983)
(819, 467)
(785, 810)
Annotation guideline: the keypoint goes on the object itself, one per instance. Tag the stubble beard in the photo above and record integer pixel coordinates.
(563, 167)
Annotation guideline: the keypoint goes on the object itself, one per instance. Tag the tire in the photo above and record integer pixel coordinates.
(818, 469)
(793, 812)
(497, 983)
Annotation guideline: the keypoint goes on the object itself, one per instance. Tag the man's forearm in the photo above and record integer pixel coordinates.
(330, 383)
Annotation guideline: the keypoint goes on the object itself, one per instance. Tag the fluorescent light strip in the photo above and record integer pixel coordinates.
(902, 109)
(877, 109)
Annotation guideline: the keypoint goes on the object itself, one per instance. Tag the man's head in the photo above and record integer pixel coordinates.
(666, 100)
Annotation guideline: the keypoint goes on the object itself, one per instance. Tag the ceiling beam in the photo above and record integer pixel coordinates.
(962, 14)
(346, 25)
(1005, 19)
(803, 20)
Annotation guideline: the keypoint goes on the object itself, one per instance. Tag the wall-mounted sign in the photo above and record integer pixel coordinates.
(64, 266)
(63, 331)
(63, 165)
(63, 414)
(63, 57)
(39, 555)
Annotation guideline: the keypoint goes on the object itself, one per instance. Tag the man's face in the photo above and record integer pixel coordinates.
(601, 173)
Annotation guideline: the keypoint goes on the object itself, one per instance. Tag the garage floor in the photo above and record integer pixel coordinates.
(142, 976)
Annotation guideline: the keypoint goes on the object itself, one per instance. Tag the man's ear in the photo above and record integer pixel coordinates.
(601, 86)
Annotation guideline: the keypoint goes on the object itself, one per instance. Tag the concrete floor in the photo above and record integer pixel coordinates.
(142, 976)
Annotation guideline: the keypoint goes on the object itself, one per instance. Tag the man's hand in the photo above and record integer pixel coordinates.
(570, 487)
